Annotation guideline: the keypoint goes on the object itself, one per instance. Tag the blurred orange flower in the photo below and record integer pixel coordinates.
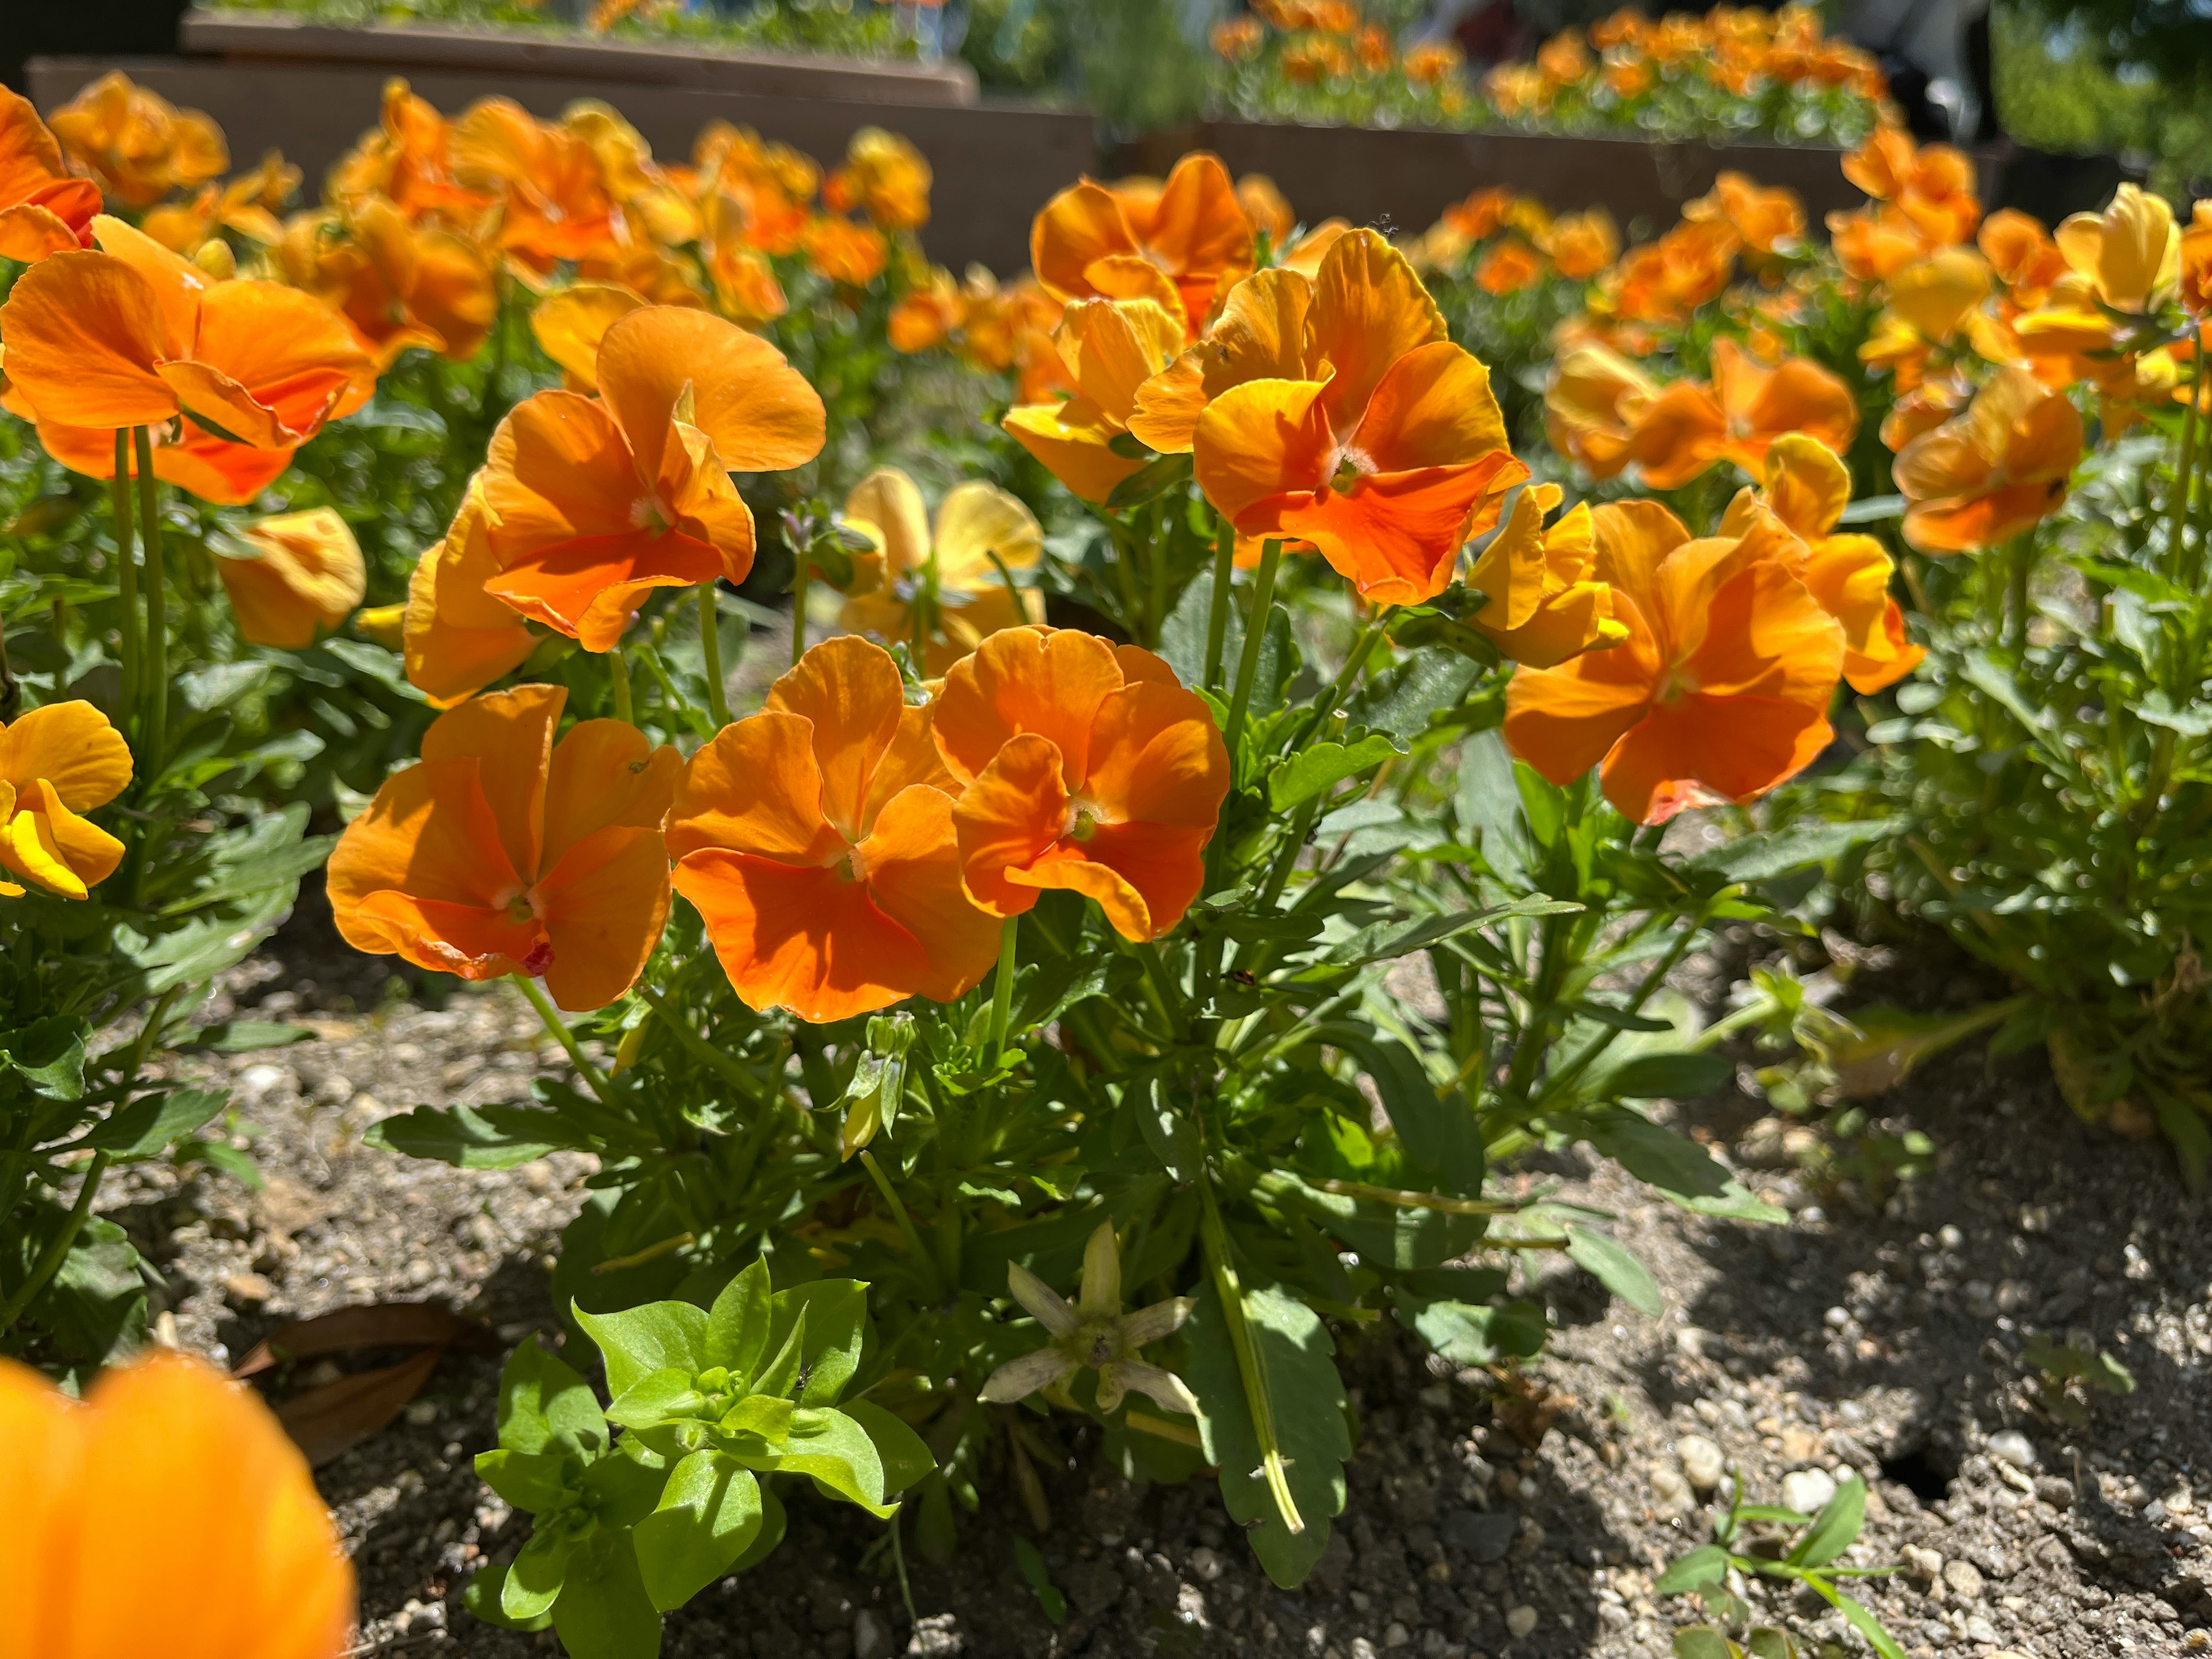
(850, 254)
(1541, 606)
(1583, 244)
(135, 144)
(816, 839)
(556, 199)
(948, 578)
(1110, 349)
(1874, 244)
(131, 335)
(1719, 693)
(1431, 61)
(1509, 267)
(42, 209)
(1593, 404)
(1765, 220)
(1930, 304)
(502, 851)
(167, 1512)
(1237, 38)
(1998, 469)
(396, 284)
(1932, 186)
(247, 204)
(1178, 243)
(1265, 206)
(2023, 256)
(1086, 767)
(925, 315)
(1665, 281)
(57, 763)
(185, 454)
(407, 159)
(456, 639)
(2130, 253)
(1805, 488)
(595, 503)
(884, 176)
(1375, 438)
(308, 579)
(1689, 427)
(2196, 261)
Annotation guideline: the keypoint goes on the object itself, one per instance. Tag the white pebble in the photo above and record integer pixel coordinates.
(1701, 1461)
(2011, 1446)
(1807, 1490)
(1521, 1620)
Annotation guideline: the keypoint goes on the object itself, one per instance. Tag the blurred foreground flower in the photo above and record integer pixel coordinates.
(308, 580)
(1996, 470)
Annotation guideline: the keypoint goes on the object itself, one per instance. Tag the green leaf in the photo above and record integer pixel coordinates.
(605, 1612)
(222, 1155)
(543, 1403)
(1835, 1527)
(708, 1515)
(1613, 1266)
(838, 1452)
(1668, 1076)
(541, 1567)
(1402, 700)
(1769, 1643)
(738, 1323)
(461, 1136)
(482, 1595)
(1151, 479)
(150, 1126)
(240, 1036)
(1321, 766)
(622, 1487)
(1683, 1171)
(1440, 1134)
(639, 1342)
(48, 1055)
(1472, 1333)
(905, 1455)
(1770, 854)
(1030, 1565)
(1860, 1619)
(1385, 940)
(95, 1308)
(660, 1397)
(1306, 1396)
(1707, 1565)
(837, 1314)
(1703, 1642)
(771, 1530)
(531, 1481)
(1171, 1136)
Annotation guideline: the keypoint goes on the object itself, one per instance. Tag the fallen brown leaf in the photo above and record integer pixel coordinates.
(379, 1325)
(330, 1420)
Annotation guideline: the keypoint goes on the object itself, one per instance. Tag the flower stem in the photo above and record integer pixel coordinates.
(799, 608)
(710, 652)
(1002, 993)
(126, 578)
(619, 677)
(1216, 610)
(1362, 648)
(56, 1251)
(1256, 631)
(923, 1259)
(157, 606)
(1251, 1366)
(565, 1037)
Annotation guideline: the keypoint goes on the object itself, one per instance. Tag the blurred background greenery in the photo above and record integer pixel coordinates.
(2131, 78)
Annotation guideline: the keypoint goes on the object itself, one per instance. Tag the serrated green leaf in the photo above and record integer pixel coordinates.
(1319, 767)
(148, 1128)
(463, 1136)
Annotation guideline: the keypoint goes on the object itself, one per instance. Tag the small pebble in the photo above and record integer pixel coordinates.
(1206, 1564)
(1396, 1635)
(1808, 1489)
(2013, 1446)
(871, 1637)
(1979, 1628)
(1964, 1579)
(1671, 1491)
(1520, 1620)
(1701, 1461)
(422, 1412)
(1924, 1563)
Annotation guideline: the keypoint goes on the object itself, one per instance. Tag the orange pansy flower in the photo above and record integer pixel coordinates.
(884, 176)
(135, 144)
(2022, 254)
(2129, 253)
(1508, 268)
(167, 1512)
(502, 851)
(1765, 221)
(1874, 244)
(1186, 239)
(1086, 768)
(1583, 244)
(1592, 406)
(1384, 448)
(1265, 205)
(926, 313)
(57, 763)
(457, 638)
(1805, 488)
(1541, 606)
(397, 285)
(2195, 261)
(185, 454)
(816, 839)
(1667, 280)
(1689, 427)
(1108, 349)
(1932, 186)
(844, 253)
(596, 502)
(408, 160)
(1720, 691)
(1928, 304)
(308, 579)
(132, 334)
(247, 204)
(1997, 469)
(951, 573)
(556, 201)
(42, 209)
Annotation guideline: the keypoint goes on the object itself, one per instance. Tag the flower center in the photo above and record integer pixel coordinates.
(1679, 683)
(1082, 820)
(852, 865)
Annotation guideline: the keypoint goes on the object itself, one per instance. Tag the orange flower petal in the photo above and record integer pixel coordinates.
(1257, 440)
(45, 842)
(1049, 681)
(851, 693)
(571, 325)
(912, 857)
(605, 903)
(509, 737)
(1081, 224)
(1076, 454)
(309, 579)
(811, 940)
(756, 787)
(760, 412)
(1397, 535)
(605, 775)
(1704, 751)
(83, 333)
(1369, 310)
(457, 638)
(1010, 816)
(72, 746)
(1432, 407)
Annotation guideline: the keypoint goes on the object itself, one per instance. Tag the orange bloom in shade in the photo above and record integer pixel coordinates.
(950, 574)
(1933, 185)
(594, 502)
(42, 209)
(1593, 404)
(1110, 349)
(1688, 427)
(1087, 768)
(2022, 254)
(57, 763)
(503, 851)
(309, 579)
(1583, 244)
(816, 839)
(132, 334)
(1806, 488)
(1186, 239)
(458, 639)
(884, 176)
(1720, 691)
(1508, 268)
(1541, 606)
(846, 254)
(1764, 219)
(167, 1513)
(1380, 444)
(1997, 469)
(397, 285)
(135, 144)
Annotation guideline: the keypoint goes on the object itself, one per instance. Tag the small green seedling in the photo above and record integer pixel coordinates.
(2072, 1372)
(1804, 1552)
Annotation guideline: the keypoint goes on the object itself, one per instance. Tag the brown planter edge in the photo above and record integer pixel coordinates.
(281, 37)
(994, 163)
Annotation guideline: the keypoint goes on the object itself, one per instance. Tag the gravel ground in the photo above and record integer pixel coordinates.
(1882, 1340)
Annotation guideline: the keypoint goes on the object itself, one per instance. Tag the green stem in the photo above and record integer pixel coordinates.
(1325, 711)
(710, 652)
(566, 1038)
(1216, 610)
(1251, 1364)
(2023, 565)
(799, 608)
(50, 1262)
(1002, 993)
(126, 578)
(1255, 630)
(899, 1216)
(618, 679)
(1164, 990)
(2178, 504)
(157, 606)
(702, 1050)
